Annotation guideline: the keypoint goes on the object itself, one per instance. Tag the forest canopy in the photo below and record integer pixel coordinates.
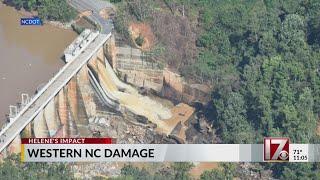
(263, 59)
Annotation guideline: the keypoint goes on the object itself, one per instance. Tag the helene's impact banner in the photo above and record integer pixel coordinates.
(105, 150)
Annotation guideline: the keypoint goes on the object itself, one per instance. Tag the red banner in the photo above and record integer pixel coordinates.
(68, 141)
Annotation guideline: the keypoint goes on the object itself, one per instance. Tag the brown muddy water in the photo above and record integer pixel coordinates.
(29, 56)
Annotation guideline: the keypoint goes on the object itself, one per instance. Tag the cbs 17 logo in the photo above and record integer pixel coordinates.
(276, 149)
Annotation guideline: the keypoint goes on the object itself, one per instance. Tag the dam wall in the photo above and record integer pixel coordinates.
(94, 88)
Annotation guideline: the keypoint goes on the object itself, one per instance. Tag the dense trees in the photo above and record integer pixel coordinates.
(296, 170)
(231, 117)
(56, 10)
(213, 174)
(273, 50)
(262, 58)
(176, 171)
(48, 9)
(12, 168)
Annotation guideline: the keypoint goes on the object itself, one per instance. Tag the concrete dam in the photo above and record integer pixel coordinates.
(77, 92)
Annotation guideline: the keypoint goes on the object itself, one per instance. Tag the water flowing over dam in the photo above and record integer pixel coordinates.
(129, 97)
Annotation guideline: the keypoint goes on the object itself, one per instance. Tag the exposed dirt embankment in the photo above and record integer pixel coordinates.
(145, 32)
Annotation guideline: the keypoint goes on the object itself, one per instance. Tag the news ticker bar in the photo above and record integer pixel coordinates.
(160, 152)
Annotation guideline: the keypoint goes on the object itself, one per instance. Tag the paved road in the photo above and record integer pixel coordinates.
(95, 6)
(52, 88)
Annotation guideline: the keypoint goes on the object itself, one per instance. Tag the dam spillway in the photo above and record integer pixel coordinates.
(55, 110)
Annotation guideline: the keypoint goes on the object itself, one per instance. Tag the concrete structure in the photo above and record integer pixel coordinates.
(79, 44)
(55, 111)
(34, 108)
(134, 67)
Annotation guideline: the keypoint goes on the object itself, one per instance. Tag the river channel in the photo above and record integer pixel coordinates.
(29, 56)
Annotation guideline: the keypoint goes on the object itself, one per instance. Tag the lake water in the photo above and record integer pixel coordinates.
(29, 56)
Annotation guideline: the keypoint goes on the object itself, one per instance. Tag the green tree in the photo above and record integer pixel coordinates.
(12, 168)
(213, 174)
(31, 4)
(268, 44)
(292, 33)
(231, 113)
(18, 3)
(135, 172)
(181, 170)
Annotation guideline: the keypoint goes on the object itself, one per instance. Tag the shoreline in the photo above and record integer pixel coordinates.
(26, 13)
(61, 25)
